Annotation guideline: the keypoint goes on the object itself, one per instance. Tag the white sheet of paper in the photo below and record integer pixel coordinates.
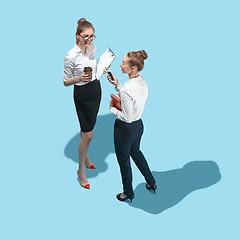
(104, 61)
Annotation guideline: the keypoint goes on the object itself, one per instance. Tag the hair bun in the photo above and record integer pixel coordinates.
(143, 54)
(81, 20)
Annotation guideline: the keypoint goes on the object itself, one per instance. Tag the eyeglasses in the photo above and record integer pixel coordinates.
(86, 37)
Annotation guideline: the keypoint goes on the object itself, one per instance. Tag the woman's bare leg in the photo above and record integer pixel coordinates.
(82, 152)
(88, 162)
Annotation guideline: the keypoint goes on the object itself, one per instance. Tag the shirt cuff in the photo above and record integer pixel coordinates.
(114, 110)
(119, 87)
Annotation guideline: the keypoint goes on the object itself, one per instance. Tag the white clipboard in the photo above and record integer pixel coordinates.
(104, 61)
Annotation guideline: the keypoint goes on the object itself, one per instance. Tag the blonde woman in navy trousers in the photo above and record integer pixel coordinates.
(128, 127)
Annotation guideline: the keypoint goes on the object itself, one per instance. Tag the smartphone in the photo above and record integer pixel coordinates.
(111, 76)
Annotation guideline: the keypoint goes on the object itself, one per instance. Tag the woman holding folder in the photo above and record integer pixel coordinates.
(87, 90)
(128, 127)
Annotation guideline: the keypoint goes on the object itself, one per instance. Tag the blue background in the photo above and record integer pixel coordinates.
(191, 118)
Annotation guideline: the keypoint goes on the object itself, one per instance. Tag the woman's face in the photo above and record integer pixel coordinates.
(125, 66)
(86, 37)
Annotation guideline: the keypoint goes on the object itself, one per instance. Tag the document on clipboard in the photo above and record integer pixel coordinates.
(104, 62)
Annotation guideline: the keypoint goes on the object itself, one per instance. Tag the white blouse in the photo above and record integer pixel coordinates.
(133, 96)
(76, 60)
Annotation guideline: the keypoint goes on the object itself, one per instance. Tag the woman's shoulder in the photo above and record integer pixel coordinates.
(135, 84)
(141, 80)
(136, 80)
(71, 53)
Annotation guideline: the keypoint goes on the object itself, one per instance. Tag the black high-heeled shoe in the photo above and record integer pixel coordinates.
(125, 198)
(149, 187)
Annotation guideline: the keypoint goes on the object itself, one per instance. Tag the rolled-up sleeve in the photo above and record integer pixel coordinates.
(68, 68)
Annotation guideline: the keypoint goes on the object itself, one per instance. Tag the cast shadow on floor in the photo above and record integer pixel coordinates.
(101, 145)
(175, 185)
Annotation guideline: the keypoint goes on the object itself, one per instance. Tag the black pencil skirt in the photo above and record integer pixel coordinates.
(87, 101)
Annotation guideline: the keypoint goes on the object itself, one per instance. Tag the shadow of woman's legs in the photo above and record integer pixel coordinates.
(175, 185)
(100, 147)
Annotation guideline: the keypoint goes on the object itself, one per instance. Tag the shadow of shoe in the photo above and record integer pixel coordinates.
(100, 147)
(175, 185)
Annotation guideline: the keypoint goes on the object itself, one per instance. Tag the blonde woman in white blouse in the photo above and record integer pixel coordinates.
(87, 90)
(128, 128)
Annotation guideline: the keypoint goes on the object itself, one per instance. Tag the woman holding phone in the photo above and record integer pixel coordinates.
(128, 127)
(87, 90)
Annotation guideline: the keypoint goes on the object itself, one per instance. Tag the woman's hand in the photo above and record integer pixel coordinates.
(114, 81)
(111, 103)
(84, 77)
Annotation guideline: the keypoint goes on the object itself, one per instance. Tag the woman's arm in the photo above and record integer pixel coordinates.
(68, 72)
(81, 78)
(70, 81)
(127, 107)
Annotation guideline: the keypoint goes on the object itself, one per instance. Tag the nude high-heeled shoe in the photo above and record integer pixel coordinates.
(87, 185)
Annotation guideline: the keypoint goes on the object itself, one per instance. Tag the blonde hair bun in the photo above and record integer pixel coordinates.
(143, 54)
(81, 20)
(137, 59)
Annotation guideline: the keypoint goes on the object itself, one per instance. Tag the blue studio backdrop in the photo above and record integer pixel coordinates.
(191, 119)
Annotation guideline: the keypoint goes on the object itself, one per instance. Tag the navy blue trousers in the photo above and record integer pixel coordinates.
(127, 137)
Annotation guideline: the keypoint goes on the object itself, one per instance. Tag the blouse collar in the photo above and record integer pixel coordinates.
(90, 48)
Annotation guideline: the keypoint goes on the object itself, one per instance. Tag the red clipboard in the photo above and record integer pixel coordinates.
(116, 102)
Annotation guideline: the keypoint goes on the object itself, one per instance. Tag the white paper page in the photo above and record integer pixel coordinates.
(104, 61)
